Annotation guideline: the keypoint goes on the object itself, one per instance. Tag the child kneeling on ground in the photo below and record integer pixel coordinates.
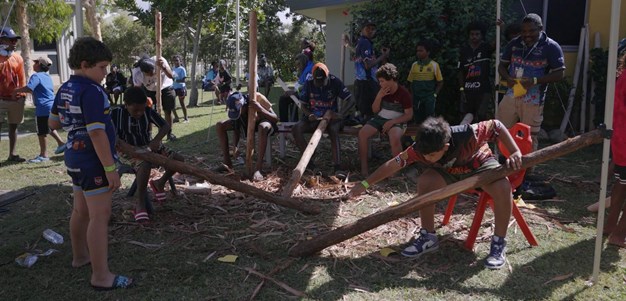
(447, 155)
(132, 125)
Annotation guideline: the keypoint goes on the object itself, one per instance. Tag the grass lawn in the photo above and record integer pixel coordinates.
(175, 256)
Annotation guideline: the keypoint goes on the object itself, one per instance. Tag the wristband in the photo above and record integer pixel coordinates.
(109, 168)
(461, 89)
(365, 184)
(534, 80)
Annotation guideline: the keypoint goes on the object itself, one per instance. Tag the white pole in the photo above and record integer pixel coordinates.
(608, 120)
(237, 57)
(497, 75)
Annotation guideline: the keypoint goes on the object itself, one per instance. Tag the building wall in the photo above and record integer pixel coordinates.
(336, 25)
(599, 20)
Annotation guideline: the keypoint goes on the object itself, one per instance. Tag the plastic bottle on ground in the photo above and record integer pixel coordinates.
(52, 236)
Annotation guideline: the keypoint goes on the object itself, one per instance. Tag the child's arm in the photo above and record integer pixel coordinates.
(376, 105)
(515, 159)
(101, 145)
(438, 87)
(163, 126)
(24, 89)
(406, 117)
(165, 67)
(384, 171)
(264, 113)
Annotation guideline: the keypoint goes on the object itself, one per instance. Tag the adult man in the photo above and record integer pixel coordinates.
(12, 76)
(320, 95)
(266, 75)
(115, 83)
(474, 69)
(304, 67)
(366, 64)
(180, 74)
(530, 61)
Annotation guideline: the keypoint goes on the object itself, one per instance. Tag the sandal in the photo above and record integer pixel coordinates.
(141, 216)
(16, 158)
(159, 196)
(118, 282)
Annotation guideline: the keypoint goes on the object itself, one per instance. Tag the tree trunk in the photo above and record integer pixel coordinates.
(306, 248)
(92, 18)
(185, 168)
(23, 27)
(252, 86)
(193, 96)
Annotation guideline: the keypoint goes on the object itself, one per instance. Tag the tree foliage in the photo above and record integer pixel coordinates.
(127, 39)
(48, 19)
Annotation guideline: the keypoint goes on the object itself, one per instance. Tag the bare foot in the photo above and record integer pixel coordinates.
(77, 263)
(617, 241)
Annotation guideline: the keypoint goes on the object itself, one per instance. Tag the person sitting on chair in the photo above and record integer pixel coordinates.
(132, 125)
(115, 83)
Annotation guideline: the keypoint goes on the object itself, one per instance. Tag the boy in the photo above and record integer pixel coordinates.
(115, 83)
(393, 108)
(425, 81)
(237, 122)
(180, 74)
(132, 125)
(223, 81)
(450, 154)
(285, 104)
(40, 84)
(81, 107)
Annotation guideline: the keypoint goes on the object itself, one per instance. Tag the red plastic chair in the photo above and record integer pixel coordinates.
(521, 136)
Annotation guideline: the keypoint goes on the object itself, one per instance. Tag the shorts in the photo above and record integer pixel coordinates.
(181, 91)
(225, 89)
(377, 122)
(453, 178)
(168, 98)
(90, 180)
(620, 174)
(42, 125)
(479, 104)
(364, 93)
(14, 109)
(119, 89)
(136, 162)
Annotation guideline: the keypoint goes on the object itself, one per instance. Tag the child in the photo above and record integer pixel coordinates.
(616, 226)
(179, 75)
(132, 125)
(425, 81)
(237, 122)
(223, 81)
(40, 84)
(81, 107)
(450, 154)
(393, 108)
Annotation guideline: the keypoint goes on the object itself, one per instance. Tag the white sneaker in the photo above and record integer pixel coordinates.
(39, 159)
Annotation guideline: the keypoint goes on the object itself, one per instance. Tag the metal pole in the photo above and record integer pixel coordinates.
(237, 57)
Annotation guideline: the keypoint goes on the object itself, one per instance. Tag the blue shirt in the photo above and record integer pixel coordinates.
(210, 75)
(304, 77)
(43, 96)
(324, 98)
(544, 57)
(364, 51)
(81, 105)
(179, 74)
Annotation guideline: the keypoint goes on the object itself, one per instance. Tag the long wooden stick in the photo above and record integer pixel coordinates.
(575, 80)
(252, 84)
(214, 178)
(306, 156)
(157, 30)
(306, 248)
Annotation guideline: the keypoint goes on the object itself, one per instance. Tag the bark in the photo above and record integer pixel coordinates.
(92, 18)
(252, 85)
(214, 178)
(193, 96)
(23, 27)
(307, 248)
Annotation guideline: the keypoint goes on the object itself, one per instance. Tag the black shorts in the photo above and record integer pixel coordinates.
(225, 88)
(42, 125)
(364, 93)
(181, 91)
(620, 174)
(479, 104)
(168, 98)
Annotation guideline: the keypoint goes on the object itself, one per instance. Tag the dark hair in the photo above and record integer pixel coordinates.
(44, 68)
(533, 18)
(477, 25)
(147, 65)
(512, 30)
(135, 95)
(426, 44)
(432, 135)
(306, 43)
(89, 50)
(388, 72)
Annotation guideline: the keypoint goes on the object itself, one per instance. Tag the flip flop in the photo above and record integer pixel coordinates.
(141, 216)
(159, 196)
(118, 282)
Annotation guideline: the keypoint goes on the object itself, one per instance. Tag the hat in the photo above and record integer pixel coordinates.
(7, 32)
(43, 60)
(234, 103)
(367, 22)
(320, 74)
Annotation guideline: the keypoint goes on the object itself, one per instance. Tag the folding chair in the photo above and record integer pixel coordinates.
(521, 136)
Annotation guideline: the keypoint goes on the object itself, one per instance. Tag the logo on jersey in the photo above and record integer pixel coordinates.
(97, 180)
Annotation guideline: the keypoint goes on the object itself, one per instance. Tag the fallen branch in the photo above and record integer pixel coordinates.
(283, 285)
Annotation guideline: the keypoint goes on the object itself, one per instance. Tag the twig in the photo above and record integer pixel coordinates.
(283, 285)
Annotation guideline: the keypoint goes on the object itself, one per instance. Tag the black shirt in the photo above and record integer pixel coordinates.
(476, 65)
(135, 131)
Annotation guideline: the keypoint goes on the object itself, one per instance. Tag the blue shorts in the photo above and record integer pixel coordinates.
(90, 180)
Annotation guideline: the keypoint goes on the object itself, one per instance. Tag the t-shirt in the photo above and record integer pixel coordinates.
(12, 75)
(135, 131)
(467, 152)
(179, 74)
(476, 65)
(116, 79)
(393, 105)
(304, 76)
(210, 75)
(364, 51)
(81, 105)
(324, 98)
(544, 57)
(618, 140)
(265, 74)
(43, 95)
(424, 76)
(150, 81)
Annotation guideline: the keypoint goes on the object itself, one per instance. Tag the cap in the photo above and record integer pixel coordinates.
(43, 60)
(234, 103)
(367, 22)
(7, 32)
(320, 74)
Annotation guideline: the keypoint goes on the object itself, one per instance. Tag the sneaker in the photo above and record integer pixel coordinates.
(424, 243)
(39, 159)
(176, 120)
(60, 149)
(186, 120)
(497, 254)
(16, 158)
(171, 137)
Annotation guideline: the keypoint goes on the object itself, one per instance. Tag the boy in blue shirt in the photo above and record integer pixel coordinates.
(40, 84)
(180, 74)
(81, 107)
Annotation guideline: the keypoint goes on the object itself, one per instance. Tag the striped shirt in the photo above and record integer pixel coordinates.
(135, 131)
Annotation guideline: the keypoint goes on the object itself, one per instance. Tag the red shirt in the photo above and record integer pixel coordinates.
(11, 74)
(618, 140)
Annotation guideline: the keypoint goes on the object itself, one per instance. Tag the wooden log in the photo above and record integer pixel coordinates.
(306, 156)
(157, 30)
(252, 85)
(306, 248)
(214, 178)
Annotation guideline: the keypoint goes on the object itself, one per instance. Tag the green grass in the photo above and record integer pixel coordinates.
(189, 228)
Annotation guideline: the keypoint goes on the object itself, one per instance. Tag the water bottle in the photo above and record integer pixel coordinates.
(52, 236)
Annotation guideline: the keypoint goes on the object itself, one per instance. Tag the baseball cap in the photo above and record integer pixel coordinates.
(234, 103)
(8, 33)
(367, 22)
(43, 60)
(320, 74)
